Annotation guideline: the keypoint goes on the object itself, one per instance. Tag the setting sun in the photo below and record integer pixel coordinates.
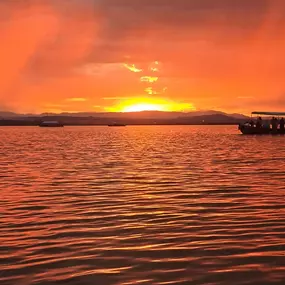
(143, 107)
(149, 104)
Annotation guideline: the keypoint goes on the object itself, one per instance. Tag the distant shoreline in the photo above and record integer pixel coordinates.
(132, 124)
(140, 119)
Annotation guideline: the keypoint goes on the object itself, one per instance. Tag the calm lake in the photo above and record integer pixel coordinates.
(141, 205)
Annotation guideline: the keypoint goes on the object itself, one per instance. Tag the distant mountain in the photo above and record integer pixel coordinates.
(135, 118)
(8, 114)
(213, 112)
(213, 119)
(239, 116)
(142, 114)
(145, 114)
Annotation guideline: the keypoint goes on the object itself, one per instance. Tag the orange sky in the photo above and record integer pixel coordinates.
(119, 55)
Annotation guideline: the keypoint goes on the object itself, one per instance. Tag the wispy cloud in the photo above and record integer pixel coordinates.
(132, 68)
(79, 99)
(150, 79)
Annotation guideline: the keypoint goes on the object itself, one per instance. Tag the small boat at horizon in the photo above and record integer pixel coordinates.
(51, 124)
(117, 125)
(250, 128)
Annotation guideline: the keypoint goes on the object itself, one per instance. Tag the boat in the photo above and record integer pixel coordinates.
(116, 125)
(50, 124)
(249, 128)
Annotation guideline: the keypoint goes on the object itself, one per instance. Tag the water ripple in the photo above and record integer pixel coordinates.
(141, 205)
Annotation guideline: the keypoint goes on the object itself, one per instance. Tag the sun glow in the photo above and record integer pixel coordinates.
(150, 77)
(132, 68)
(150, 104)
(143, 107)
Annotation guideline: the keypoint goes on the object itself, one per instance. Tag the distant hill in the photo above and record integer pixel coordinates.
(212, 119)
(239, 116)
(142, 114)
(8, 115)
(135, 118)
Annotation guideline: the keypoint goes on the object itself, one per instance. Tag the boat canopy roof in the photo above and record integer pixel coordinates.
(269, 113)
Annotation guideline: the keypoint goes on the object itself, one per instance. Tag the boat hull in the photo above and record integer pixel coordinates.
(50, 125)
(249, 130)
(117, 125)
(59, 126)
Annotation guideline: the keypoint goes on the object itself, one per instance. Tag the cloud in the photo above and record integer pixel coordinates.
(150, 79)
(132, 68)
(76, 99)
(53, 50)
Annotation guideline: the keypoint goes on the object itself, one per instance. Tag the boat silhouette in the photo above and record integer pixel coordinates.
(50, 124)
(250, 128)
(116, 125)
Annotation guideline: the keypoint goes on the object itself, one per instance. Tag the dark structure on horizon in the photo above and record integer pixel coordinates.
(141, 118)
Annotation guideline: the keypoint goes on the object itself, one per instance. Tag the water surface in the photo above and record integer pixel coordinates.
(141, 205)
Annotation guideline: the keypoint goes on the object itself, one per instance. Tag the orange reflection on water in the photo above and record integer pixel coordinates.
(141, 203)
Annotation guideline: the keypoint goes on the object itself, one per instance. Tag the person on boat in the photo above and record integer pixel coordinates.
(259, 123)
(281, 124)
(274, 124)
(277, 123)
(266, 124)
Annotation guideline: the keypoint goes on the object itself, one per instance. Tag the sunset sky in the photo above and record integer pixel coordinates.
(130, 55)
